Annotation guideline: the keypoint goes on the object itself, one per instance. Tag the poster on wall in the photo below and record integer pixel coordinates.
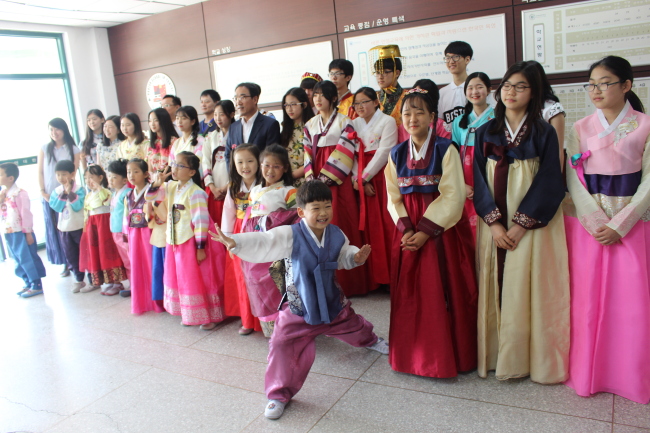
(424, 46)
(158, 86)
(276, 71)
(577, 104)
(571, 37)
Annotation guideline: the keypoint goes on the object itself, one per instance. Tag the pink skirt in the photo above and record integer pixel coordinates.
(140, 256)
(610, 313)
(123, 250)
(192, 291)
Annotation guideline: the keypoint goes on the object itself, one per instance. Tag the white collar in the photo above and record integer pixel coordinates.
(514, 135)
(415, 155)
(320, 120)
(137, 195)
(251, 120)
(610, 128)
(373, 120)
(321, 243)
(243, 188)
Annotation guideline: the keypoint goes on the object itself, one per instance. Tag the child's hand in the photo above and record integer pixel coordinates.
(501, 239)
(67, 187)
(355, 185)
(45, 195)
(369, 190)
(607, 236)
(515, 233)
(200, 255)
(362, 255)
(29, 237)
(469, 191)
(407, 234)
(220, 237)
(416, 241)
(158, 178)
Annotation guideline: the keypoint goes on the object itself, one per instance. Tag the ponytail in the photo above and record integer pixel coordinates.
(635, 101)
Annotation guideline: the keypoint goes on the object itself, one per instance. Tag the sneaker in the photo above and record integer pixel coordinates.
(274, 409)
(26, 288)
(125, 293)
(31, 292)
(104, 288)
(87, 289)
(380, 346)
(66, 271)
(113, 290)
(245, 331)
(208, 326)
(77, 286)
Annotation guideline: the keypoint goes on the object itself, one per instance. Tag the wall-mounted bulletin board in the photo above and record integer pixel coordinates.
(276, 71)
(575, 99)
(571, 37)
(423, 47)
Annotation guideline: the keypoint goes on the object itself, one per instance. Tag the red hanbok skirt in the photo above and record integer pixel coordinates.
(215, 207)
(434, 300)
(467, 159)
(98, 254)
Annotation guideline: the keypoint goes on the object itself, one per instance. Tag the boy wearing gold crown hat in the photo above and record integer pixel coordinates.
(387, 63)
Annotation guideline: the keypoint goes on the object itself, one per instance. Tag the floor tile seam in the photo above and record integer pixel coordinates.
(486, 402)
(631, 425)
(331, 407)
(251, 423)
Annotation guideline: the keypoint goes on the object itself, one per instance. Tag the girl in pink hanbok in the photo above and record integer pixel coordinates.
(608, 233)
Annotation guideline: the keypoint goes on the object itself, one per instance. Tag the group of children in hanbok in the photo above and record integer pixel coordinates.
(491, 264)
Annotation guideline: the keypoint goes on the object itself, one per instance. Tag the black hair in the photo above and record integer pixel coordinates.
(308, 83)
(88, 141)
(165, 127)
(369, 92)
(311, 191)
(282, 154)
(234, 176)
(287, 122)
(118, 167)
(228, 107)
(344, 65)
(328, 89)
(623, 70)
(534, 109)
(548, 93)
(175, 99)
(116, 122)
(469, 107)
(431, 88)
(213, 94)
(424, 98)
(191, 113)
(391, 64)
(194, 163)
(11, 170)
(253, 89)
(141, 163)
(65, 165)
(137, 126)
(59, 123)
(96, 170)
(461, 48)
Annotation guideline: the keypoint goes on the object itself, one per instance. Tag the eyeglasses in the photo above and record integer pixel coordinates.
(336, 74)
(518, 88)
(176, 165)
(359, 104)
(453, 58)
(293, 105)
(384, 72)
(601, 86)
(240, 97)
(167, 105)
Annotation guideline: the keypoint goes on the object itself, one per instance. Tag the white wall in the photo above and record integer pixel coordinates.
(89, 62)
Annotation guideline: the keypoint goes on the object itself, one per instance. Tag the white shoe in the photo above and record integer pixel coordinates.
(87, 289)
(77, 286)
(380, 346)
(274, 409)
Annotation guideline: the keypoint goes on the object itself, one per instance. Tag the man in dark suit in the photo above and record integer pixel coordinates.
(252, 126)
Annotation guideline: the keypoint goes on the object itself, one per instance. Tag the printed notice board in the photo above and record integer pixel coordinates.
(571, 37)
(424, 49)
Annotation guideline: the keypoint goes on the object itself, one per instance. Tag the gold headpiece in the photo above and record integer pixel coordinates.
(382, 52)
(311, 75)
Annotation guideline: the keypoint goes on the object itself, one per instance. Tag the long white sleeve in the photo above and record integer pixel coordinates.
(262, 247)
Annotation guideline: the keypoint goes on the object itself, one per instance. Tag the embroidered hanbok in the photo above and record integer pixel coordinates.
(185, 145)
(433, 290)
(191, 289)
(610, 287)
(107, 154)
(128, 150)
(523, 319)
(329, 156)
(270, 206)
(98, 254)
(391, 103)
(296, 149)
(215, 171)
(465, 139)
(373, 143)
(117, 226)
(158, 157)
(236, 302)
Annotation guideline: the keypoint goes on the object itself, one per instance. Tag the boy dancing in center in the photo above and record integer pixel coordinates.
(315, 304)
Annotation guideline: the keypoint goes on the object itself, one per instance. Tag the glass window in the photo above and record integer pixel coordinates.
(25, 55)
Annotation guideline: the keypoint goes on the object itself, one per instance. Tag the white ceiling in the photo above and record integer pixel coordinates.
(85, 13)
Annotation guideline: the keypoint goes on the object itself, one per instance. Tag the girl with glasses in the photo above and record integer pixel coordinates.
(608, 232)
(296, 113)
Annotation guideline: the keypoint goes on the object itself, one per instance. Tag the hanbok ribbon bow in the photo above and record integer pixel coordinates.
(577, 163)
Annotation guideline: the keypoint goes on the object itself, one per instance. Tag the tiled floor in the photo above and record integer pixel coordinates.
(82, 363)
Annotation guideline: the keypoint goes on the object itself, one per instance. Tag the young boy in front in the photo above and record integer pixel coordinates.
(341, 72)
(68, 200)
(315, 304)
(17, 221)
